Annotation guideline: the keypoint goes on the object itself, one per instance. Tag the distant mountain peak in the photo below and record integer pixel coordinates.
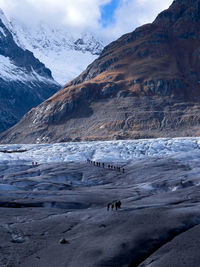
(146, 84)
(66, 54)
(24, 80)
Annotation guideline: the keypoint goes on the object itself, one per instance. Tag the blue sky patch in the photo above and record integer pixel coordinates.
(107, 13)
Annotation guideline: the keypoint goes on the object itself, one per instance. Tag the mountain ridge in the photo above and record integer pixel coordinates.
(66, 54)
(145, 84)
(24, 81)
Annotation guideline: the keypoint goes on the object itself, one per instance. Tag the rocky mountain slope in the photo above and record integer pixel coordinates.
(24, 81)
(65, 54)
(145, 84)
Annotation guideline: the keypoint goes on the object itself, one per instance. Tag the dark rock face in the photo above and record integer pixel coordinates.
(145, 84)
(24, 81)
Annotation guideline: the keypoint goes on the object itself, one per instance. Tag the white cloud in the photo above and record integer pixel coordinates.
(133, 13)
(84, 15)
(72, 13)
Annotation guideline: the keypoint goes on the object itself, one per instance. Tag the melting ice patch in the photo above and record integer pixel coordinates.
(108, 151)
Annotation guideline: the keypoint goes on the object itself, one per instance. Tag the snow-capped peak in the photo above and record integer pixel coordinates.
(66, 54)
(11, 29)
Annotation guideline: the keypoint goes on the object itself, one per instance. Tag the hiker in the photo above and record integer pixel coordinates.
(108, 206)
(119, 204)
(116, 205)
(123, 170)
(103, 165)
(112, 206)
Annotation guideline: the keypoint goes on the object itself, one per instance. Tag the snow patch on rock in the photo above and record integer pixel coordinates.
(10, 72)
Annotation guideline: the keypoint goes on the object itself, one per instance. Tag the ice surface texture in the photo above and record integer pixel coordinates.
(107, 151)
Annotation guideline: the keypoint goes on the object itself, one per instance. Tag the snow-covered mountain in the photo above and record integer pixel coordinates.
(66, 54)
(24, 81)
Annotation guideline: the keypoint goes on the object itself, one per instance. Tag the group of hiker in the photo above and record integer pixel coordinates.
(34, 163)
(109, 166)
(116, 205)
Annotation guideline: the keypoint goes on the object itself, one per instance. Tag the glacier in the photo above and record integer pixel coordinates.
(102, 151)
(63, 196)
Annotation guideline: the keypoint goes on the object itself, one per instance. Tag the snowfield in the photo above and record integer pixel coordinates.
(108, 151)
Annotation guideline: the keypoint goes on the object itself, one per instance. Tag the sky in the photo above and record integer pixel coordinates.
(108, 19)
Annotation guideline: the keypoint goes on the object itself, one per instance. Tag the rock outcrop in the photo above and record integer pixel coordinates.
(146, 84)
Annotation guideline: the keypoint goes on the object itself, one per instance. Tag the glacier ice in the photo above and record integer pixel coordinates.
(107, 151)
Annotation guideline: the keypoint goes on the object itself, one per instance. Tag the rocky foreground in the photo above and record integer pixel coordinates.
(157, 225)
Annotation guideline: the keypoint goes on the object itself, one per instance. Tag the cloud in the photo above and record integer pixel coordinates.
(133, 13)
(72, 13)
(85, 15)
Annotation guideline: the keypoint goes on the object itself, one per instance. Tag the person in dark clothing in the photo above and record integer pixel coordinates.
(119, 204)
(108, 206)
(103, 165)
(123, 170)
(112, 206)
(116, 205)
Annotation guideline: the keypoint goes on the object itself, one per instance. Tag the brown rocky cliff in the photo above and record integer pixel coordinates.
(145, 84)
